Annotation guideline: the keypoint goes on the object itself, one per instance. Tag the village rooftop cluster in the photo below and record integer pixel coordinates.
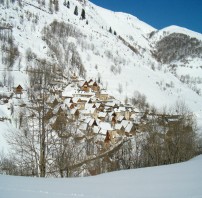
(94, 111)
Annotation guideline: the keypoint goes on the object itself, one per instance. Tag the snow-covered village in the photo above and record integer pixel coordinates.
(97, 103)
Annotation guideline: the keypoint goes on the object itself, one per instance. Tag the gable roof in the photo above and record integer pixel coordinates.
(83, 126)
(102, 114)
(119, 126)
(125, 123)
(120, 118)
(73, 111)
(19, 87)
(129, 127)
(96, 129)
(105, 125)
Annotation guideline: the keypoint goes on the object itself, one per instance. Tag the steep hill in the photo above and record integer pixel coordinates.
(125, 54)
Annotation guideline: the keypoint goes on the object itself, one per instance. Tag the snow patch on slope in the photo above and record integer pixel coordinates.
(177, 180)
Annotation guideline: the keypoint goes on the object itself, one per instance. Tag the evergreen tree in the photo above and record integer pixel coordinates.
(20, 3)
(83, 14)
(68, 4)
(56, 6)
(2, 2)
(65, 3)
(76, 11)
(51, 6)
(43, 3)
(110, 30)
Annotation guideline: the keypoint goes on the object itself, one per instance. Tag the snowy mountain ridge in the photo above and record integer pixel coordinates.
(178, 29)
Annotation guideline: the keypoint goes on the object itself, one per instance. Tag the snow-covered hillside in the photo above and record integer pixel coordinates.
(178, 180)
(115, 48)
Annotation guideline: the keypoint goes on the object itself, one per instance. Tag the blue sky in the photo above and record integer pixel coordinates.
(160, 13)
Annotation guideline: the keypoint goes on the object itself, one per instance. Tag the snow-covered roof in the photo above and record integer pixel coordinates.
(89, 105)
(110, 104)
(51, 98)
(117, 110)
(105, 125)
(52, 120)
(88, 111)
(69, 91)
(73, 111)
(96, 129)
(83, 126)
(129, 127)
(123, 109)
(83, 94)
(79, 133)
(125, 123)
(91, 83)
(120, 118)
(118, 126)
(93, 121)
(56, 109)
(102, 114)
(103, 92)
(81, 83)
(84, 99)
(67, 100)
(118, 102)
(75, 99)
(133, 116)
(103, 131)
(98, 104)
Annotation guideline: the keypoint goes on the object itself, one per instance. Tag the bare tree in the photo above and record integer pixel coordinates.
(120, 88)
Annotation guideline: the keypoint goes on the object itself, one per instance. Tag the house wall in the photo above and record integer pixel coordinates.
(95, 114)
(85, 88)
(95, 88)
(127, 115)
(113, 135)
(103, 97)
(81, 105)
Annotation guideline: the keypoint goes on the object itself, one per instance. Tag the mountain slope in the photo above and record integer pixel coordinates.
(178, 180)
(130, 57)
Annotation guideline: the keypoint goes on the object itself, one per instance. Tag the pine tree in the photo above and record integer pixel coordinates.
(56, 6)
(110, 30)
(68, 4)
(2, 2)
(83, 14)
(20, 3)
(76, 11)
(51, 6)
(43, 3)
(65, 3)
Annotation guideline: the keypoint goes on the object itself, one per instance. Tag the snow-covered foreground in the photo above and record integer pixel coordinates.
(178, 180)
